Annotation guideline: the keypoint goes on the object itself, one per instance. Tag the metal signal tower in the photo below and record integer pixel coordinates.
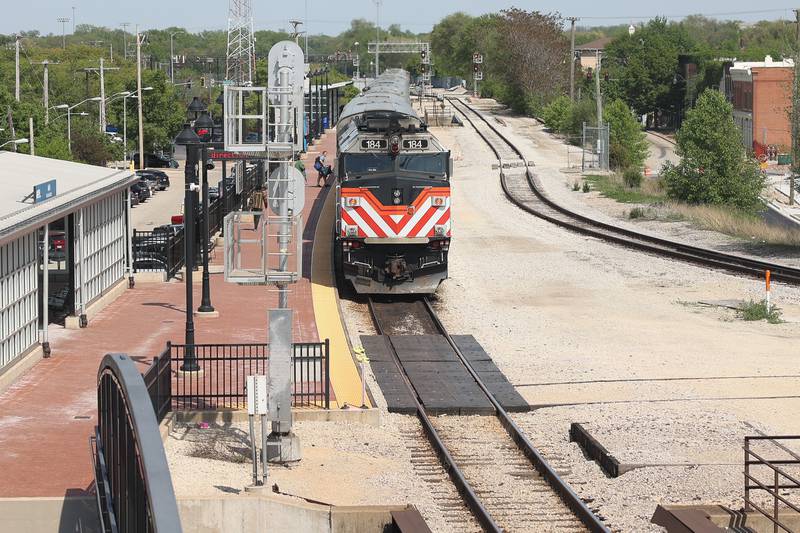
(241, 56)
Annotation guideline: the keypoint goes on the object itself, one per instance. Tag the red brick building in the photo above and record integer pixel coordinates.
(761, 94)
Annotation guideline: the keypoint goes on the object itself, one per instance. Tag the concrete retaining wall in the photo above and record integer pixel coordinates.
(246, 513)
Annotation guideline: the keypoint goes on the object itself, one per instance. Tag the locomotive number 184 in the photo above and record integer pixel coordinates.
(415, 144)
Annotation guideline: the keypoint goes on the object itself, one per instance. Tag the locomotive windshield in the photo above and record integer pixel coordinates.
(429, 164)
(361, 164)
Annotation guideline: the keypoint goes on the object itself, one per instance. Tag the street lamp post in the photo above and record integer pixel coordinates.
(204, 127)
(189, 139)
(172, 56)
(125, 121)
(69, 117)
(15, 142)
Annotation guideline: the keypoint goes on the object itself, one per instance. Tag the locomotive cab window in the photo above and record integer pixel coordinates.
(360, 164)
(428, 164)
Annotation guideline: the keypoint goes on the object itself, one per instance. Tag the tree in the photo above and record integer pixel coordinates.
(628, 146)
(714, 167)
(556, 114)
(645, 63)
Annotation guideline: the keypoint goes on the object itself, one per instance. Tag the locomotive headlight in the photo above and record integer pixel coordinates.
(394, 144)
(438, 201)
(440, 230)
(353, 201)
(351, 231)
(397, 196)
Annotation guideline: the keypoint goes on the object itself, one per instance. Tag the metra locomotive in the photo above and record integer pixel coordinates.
(393, 198)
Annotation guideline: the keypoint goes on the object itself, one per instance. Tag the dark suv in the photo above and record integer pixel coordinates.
(155, 161)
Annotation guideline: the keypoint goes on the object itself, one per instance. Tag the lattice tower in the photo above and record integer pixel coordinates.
(241, 56)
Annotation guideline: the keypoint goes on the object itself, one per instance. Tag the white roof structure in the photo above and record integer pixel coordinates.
(742, 70)
(76, 185)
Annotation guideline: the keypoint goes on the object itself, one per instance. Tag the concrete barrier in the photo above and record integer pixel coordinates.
(244, 513)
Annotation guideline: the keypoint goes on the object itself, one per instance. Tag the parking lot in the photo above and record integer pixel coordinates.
(158, 209)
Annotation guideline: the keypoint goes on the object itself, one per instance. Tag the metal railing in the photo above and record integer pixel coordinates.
(225, 367)
(158, 380)
(770, 477)
(134, 487)
(158, 250)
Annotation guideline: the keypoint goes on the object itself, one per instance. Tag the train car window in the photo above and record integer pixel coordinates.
(366, 163)
(430, 164)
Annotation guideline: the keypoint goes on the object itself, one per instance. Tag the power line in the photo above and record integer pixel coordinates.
(719, 14)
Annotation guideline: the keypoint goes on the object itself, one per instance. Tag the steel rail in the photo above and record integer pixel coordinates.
(632, 239)
(448, 462)
(562, 489)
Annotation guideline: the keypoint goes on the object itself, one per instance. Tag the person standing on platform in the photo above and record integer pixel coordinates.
(257, 205)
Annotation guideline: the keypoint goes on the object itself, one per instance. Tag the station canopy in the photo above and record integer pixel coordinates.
(76, 185)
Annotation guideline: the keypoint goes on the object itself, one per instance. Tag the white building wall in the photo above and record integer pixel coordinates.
(19, 311)
(104, 247)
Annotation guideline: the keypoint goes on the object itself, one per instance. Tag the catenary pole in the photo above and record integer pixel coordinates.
(46, 64)
(102, 97)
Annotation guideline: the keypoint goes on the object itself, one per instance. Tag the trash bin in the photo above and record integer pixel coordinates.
(325, 123)
(784, 159)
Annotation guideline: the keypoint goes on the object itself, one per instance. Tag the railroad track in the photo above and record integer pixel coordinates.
(504, 480)
(521, 186)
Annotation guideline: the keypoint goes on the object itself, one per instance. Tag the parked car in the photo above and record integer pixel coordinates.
(162, 182)
(147, 187)
(149, 178)
(155, 161)
(141, 192)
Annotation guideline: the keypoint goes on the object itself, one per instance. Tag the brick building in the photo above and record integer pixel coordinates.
(761, 94)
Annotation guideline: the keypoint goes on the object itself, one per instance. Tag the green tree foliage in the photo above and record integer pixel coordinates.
(92, 148)
(628, 146)
(556, 114)
(644, 64)
(714, 167)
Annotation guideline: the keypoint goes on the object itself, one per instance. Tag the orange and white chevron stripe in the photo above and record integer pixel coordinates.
(427, 216)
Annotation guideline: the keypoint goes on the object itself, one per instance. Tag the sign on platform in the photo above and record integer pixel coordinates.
(257, 395)
(44, 191)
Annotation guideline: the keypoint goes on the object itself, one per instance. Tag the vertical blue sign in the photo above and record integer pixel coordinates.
(44, 191)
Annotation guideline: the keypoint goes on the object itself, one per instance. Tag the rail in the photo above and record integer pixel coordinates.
(225, 367)
(641, 241)
(134, 487)
(768, 476)
(482, 514)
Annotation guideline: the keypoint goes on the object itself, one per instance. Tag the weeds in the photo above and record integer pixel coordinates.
(586, 187)
(614, 187)
(753, 311)
(576, 186)
(638, 212)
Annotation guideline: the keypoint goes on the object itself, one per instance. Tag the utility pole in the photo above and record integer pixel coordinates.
(795, 109)
(102, 98)
(63, 21)
(46, 85)
(597, 96)
(572, 58)
(125, 38)
(73, 20)
(378, 37)
(140, 99)
(30, 136)
(16, 56)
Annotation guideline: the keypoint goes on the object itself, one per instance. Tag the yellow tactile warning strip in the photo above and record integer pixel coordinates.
(345, 379)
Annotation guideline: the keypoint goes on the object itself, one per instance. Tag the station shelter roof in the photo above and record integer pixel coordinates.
(77, 185)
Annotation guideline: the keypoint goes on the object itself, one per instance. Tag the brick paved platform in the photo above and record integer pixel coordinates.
(46, 417)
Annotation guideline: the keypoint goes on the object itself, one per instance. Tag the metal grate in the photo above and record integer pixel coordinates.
(768, 482)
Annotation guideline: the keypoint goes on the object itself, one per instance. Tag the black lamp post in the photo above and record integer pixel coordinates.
(327, 98)
(226, 200)
(189, 139)
(318, 79)
(195, 107)
(204, 127)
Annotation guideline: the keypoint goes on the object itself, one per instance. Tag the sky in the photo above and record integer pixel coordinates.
(331, 17)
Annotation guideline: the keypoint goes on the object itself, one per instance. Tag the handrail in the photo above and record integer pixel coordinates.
(154, 467)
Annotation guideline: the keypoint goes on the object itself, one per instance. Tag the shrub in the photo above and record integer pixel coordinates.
(752, 311)
(632, 178)
(627, 143)
(576, 186)
(637, 212)
(586, 187)
(714, 167)
(556, 114)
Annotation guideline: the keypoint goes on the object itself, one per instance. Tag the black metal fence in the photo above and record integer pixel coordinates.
(133, 485)
(225, 367)
(158, 380)
(770, 479)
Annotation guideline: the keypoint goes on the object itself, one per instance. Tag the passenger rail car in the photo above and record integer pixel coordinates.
(393, 225)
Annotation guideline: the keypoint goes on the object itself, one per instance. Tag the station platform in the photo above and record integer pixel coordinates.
(48, 414)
